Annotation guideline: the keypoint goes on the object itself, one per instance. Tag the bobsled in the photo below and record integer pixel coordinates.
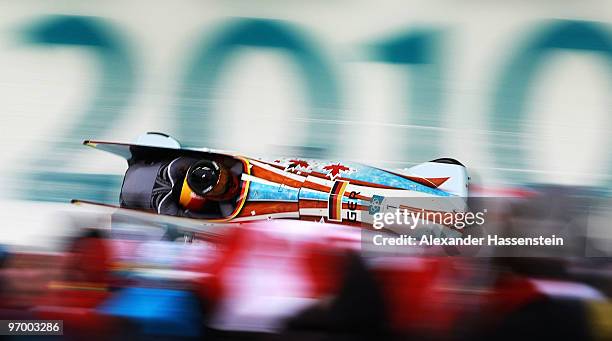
(334, 191)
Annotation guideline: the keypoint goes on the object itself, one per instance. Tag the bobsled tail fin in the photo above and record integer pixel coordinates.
(445, 174)
(150, 141)
(121, 149)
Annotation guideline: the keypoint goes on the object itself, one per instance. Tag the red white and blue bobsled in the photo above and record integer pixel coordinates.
(339, 192)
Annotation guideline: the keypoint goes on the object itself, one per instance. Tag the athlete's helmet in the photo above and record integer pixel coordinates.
(205, 179)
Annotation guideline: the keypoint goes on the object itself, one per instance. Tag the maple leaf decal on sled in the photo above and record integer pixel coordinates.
(334, 170)
(298, 164)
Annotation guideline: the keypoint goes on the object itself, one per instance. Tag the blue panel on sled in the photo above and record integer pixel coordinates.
(261, 191)
(382, 177)
(311, 194)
